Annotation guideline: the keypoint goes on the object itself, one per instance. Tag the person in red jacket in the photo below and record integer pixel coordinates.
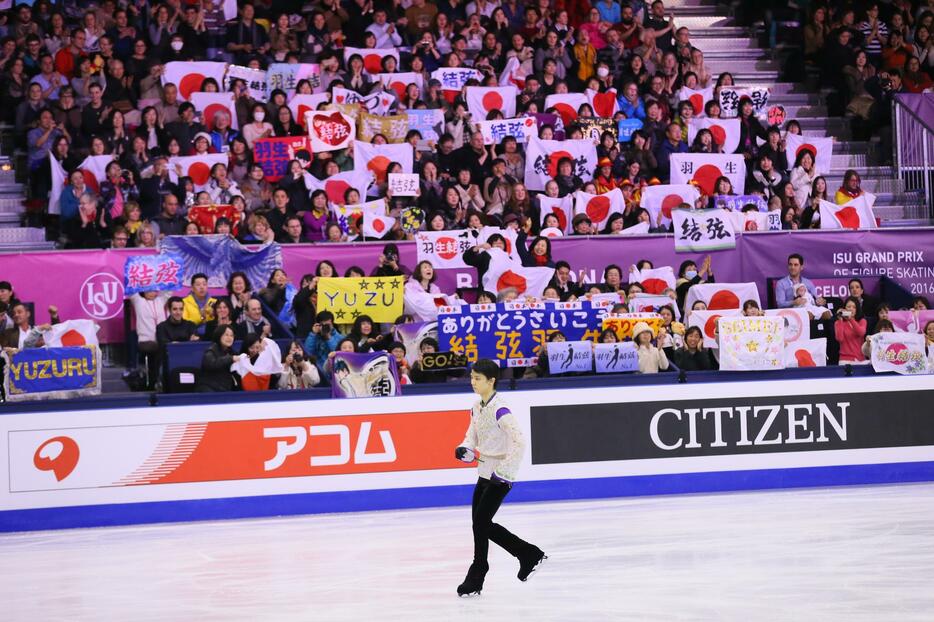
(850, 329)
(68, 59)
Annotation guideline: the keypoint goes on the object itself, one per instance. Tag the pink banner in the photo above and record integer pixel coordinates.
(89, 284)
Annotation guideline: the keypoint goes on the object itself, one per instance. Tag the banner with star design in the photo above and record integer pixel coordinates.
(752, 343)
(380, 297)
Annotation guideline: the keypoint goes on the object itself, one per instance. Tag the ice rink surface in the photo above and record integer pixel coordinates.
(818, 554)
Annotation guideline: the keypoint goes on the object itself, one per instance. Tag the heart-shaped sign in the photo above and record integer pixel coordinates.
(604, 104)
(332, 129)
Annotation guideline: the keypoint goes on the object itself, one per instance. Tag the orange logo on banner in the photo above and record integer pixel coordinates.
(265, 448)
(623, 326)
(63, 462)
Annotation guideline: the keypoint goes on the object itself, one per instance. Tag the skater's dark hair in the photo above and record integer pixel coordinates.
(487, 368)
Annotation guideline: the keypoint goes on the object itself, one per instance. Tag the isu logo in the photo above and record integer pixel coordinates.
(298, 437)
(101, 296)
(59, 455)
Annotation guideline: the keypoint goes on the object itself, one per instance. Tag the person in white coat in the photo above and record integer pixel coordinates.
(802, 177)
(494, 434)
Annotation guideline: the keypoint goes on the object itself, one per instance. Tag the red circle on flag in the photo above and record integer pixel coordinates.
(672, 201)
(73, 338)
(793, 327)
(706, 176)
(848, 217)
(378, 225)
(399, 87)
(190, 84)
(492, 101)
(723, 299)
(751, 226)
(598, 208)
(654, 286)
(556, 157)
(604, 104)
(562, 218)
(804, 358)
(209, 112)
(719, 134)
(335, 189)
(446, 248)
(697, 103)
(91, 181)
(710, 326)
(373, 63)
(896, 349)
(200, 173)
(566, 112)
(378, 165)
(511, 279)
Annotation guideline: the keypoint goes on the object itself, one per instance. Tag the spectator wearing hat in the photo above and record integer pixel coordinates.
(651, 358)
(581, 225)
(604, 178)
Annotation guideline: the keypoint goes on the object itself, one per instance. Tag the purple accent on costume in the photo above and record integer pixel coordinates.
(502, 412)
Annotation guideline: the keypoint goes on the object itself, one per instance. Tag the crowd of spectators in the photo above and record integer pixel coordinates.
(85, 79)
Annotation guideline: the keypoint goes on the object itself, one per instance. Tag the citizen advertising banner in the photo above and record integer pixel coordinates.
(718, 427)
(513, 333)
(585, 441)
(52, 373)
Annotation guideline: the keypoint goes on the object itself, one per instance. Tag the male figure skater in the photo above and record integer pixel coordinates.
(495, 434)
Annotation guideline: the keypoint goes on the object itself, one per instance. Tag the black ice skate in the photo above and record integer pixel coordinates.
(531, 562)
(473, 583)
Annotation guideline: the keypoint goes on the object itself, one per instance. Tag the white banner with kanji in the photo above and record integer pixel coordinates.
(443, 249)
(702, 230)
(543, 156)
(704, 169)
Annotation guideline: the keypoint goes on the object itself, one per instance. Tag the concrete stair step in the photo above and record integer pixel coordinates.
(794, 111)
(743, 66)
(11, 204)
(21, 235)
(875, 185)
(15, 247)
(714, 32)
(720, 55)
(8, 220)
(712, 24)
(712, 44)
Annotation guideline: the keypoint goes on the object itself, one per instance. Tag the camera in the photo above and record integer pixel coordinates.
(297, 359)
(392, 256)
(325, 330)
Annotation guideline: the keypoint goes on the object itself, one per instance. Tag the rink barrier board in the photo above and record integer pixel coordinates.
(233, 467)
(445, 496)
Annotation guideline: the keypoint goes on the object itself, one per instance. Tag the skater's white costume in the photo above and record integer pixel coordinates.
(494, 433)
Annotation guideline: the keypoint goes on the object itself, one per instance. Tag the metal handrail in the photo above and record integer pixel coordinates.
(913, 171)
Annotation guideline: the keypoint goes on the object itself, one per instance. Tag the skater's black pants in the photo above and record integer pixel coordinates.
(487, 497)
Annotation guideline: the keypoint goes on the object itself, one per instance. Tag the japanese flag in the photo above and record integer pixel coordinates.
(329, 130)
(503, 273)
(725, 132)
(303, 103)
(719, 296)
(707, 321)
(59, 179)
(376, 226)
(665, 198)
(654, 280)
(566, 105)
(543, 156)
(749, 221)
(820, 148)
(599, 207)
(197, 167)
(551, 232)
(855, 214)
(482, 100)
(512, 74)
(71, 333)
(605, 104)
(255, 376)
(705, 168)
(697, 98)
(94, 169)
(209, 104)
(640, 228)
(398, 82)
(372, 57)
(560, 207)
(510, 235)
(188, 76)
(808, 353)
(652, 303)
(337, 185)
(370, 159)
